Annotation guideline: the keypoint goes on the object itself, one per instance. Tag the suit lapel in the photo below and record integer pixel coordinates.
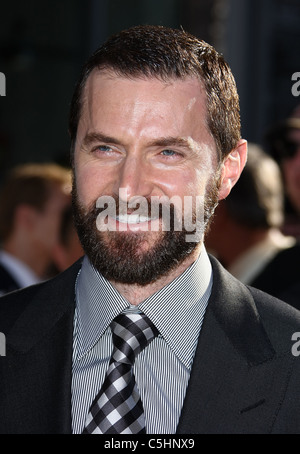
(233, 357)
(49, 302)
(39, 360)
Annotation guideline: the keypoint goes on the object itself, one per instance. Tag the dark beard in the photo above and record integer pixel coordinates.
(119, 256)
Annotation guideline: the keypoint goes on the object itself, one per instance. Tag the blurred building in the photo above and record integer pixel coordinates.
(43, 45)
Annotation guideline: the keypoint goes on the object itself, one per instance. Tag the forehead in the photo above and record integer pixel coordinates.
(103, 82)
(110, 99)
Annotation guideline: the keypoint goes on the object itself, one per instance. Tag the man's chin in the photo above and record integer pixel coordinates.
(136, 241)
(137, 258)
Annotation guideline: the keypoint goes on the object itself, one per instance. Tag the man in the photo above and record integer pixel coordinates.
(148, 334)
(245, 234)
(32, 199)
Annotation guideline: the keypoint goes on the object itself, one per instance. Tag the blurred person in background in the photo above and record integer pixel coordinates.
(68, 248)
(246, 232)
(32, 199)
(284, 146)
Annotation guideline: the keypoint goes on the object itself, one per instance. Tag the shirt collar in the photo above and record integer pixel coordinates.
(177, 310)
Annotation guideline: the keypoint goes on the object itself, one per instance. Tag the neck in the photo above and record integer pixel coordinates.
(135, 294)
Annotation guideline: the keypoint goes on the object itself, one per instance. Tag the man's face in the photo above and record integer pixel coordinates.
(144, 139)
(291, 171)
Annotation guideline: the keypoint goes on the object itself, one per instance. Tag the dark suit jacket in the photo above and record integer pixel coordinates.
(244, 377)
(7, 282)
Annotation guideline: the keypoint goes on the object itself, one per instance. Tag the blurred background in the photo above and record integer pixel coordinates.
(43, 45)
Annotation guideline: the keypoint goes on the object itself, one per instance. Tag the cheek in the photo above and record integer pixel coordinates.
(183, 182)
(89, 184)
(196, 183)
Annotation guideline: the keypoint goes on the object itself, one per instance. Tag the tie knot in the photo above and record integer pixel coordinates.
(131, 334)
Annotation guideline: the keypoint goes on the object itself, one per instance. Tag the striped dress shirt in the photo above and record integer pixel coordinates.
(163, 369)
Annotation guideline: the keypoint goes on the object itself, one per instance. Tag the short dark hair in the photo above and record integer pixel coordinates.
(164, 53)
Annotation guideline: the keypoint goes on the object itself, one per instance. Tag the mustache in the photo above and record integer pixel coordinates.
(145, 208)
(151, 207)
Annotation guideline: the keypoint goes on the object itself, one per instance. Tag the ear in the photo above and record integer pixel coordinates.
(232, 168)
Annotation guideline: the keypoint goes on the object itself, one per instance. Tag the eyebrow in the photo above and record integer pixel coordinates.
(93, 137)
(171, 142)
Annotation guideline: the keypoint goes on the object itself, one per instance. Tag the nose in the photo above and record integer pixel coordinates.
(133, 178)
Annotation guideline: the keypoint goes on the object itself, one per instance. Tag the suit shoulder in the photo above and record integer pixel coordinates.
(280, 319)
(251, 316)
(13, 304)
(274, 308)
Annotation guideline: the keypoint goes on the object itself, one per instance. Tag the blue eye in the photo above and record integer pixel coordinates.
(103, 148)
(169, 153)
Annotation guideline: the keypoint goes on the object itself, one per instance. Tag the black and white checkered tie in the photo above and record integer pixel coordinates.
(118, 407)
